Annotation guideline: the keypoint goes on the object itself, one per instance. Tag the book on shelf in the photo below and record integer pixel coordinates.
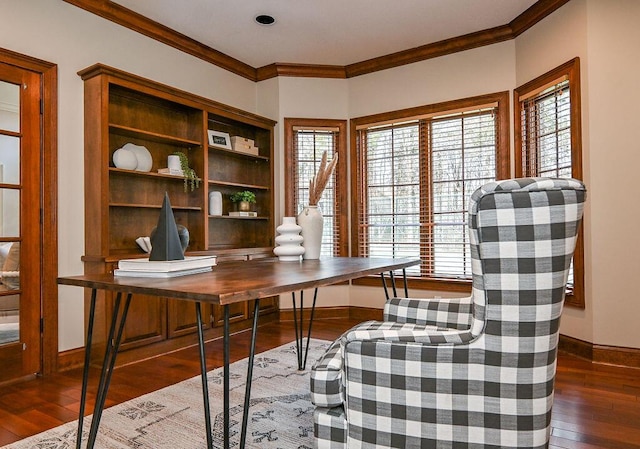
(243, 214)
(160, 274)
(171, 171)
(167, 266)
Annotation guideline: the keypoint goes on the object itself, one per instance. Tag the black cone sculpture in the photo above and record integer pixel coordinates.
(165, 244)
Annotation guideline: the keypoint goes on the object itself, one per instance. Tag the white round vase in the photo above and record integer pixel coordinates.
(289, 240)
(311, 221)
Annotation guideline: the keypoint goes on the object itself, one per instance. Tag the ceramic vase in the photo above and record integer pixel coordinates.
(173, 162)
(215, 203)
(288, 241)
(312, 222)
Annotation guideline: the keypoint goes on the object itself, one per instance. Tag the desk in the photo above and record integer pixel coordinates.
(228, 283)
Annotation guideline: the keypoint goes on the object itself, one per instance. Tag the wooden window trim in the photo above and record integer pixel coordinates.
(503, 167)
(569, 70)
(290, 124)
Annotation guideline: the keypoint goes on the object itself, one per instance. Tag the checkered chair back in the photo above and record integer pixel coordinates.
(522, 234)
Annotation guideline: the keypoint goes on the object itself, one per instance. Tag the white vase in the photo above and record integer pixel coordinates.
(289, 241)
(311, 221)
(173, 162)
(215, 203)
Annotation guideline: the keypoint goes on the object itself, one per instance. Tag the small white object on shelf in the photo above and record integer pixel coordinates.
(215, 203)
(171, 171)
(173, 162)
(145, 161)
(144, 243)
(125, 159)
(243, 214)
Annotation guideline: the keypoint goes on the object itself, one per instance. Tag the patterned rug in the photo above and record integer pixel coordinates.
(281, 414)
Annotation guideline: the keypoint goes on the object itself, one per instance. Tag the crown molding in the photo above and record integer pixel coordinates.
(429, 51)
(301, 70)
(150, 28)
(134, 21)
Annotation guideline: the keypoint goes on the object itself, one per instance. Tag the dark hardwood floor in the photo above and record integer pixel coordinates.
(595, 406)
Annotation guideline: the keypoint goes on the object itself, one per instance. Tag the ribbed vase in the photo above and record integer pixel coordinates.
(288, 241)
(312, 222)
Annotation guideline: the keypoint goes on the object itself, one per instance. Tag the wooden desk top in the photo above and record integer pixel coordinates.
(232, 282)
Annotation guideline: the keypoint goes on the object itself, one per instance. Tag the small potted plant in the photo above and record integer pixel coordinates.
(190, 177)
(243, 200)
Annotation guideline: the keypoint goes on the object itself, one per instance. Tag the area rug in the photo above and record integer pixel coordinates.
(280, 414)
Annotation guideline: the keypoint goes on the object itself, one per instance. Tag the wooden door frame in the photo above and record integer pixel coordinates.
(49, 200)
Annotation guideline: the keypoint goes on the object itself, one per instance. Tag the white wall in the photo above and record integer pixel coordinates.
(465, 74)
(73, 39)
(603, 34)
(613, 94)
(307, 98)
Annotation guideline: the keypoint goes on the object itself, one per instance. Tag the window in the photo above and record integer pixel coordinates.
(416, 171)
(549, 142)
(305, 142)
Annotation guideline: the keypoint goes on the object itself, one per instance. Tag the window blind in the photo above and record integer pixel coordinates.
(417, 178)
(546, 137)
(546, 132)
(309, 145)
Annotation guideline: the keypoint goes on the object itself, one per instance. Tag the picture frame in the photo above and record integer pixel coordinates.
(219, 139)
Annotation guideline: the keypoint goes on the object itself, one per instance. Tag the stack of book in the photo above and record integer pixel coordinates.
(164, 268)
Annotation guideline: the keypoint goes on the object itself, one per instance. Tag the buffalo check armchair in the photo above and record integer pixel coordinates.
(463, 373)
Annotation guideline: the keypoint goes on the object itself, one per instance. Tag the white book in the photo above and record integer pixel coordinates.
(160, 274)
(165, 266)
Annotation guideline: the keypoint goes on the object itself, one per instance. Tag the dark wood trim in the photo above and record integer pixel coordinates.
(601, 354)
(300, 70)
(438, 285)
(49, 82)
(338, 312)
(150, 28)
(576, 347)
(534, 14)
(70, 359)
(430, 51)
(134, 21)
(570, 69)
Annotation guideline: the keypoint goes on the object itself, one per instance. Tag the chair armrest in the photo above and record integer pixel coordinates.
(405, 332)
(450, 313)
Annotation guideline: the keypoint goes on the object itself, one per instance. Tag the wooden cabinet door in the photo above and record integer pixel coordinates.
(181, 317)
(146, 321)
(237, 312)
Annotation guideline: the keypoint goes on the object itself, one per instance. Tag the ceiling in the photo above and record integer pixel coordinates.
(324, 32)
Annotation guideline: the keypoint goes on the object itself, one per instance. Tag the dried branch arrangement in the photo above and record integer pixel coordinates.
(320, 180)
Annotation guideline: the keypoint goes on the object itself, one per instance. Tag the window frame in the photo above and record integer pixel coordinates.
(570, 70)
(341, 194)
(503, 167)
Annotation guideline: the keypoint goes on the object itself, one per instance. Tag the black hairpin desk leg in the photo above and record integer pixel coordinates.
(393, 284)
(108, 363)
(298, 326)
(203, 374)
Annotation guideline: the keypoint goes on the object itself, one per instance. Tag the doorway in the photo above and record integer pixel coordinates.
(25, 166)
